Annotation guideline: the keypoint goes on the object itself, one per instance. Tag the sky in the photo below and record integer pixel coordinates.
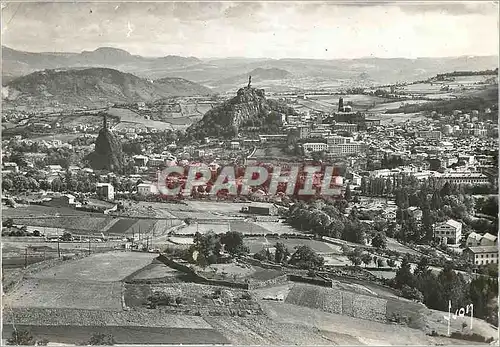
(318, 30)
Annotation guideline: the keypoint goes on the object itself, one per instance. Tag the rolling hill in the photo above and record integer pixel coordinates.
(92, 87)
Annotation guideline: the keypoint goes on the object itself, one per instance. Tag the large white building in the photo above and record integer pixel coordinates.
(314, 147)
(451, 230)
(345, 148)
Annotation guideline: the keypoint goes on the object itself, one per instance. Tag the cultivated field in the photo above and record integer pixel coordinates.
(128, 116)
(56, 293)
(102, 267)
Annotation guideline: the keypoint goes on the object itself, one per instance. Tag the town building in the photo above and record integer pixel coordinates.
(345, 148)
(314, 147)
(140, 160)
(430, 134)
(278, 138)
(146, 189)
(489, 240)
(234, 145)
(340, 126)
(105, 190)
(482, 255)
(451, 230)
(473, 240)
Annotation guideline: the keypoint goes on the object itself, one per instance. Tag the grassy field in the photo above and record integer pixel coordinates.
(277, 228)
(113, 266)
(203, 228)
(56, 293)
(367, 332)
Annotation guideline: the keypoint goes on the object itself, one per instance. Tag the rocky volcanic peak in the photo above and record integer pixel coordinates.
(248, 106)
(108, 153)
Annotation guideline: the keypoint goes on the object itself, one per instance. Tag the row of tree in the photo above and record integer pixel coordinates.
(435, 291)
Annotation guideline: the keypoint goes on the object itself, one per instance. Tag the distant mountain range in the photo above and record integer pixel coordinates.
(231, 73)
(17, 63)
(92, 87)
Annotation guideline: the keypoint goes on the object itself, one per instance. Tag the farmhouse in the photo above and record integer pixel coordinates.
(482, 255)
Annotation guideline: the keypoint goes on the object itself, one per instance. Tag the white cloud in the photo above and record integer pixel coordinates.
(317, 30)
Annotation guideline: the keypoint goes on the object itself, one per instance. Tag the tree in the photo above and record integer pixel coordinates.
(422, 266)
(348, 193)
(56, 184)
(21, 338)
(404, 275)
(7, 184)
(366, 258)
(208, 247)
(411, 293)
(391, 263)
(66, 237)
(380, 262)
(100, 339)
(233, 243)
(305, 258)
(355, 257)
(281, 253)
(379, 241)
(8, 223)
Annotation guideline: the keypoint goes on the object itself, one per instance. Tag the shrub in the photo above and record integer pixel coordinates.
(411, 293)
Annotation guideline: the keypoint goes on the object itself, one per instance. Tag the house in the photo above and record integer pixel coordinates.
(234, 145)
(106, 190)
(55, 168)
(415, 212)
(473, 240)
(482, 255)
(451, 230)
(140, 160)
(489, 240)
(66, 200)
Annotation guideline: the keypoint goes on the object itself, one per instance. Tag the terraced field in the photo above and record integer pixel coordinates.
(339, 302)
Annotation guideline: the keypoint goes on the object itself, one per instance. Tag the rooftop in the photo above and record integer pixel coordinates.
(483, 249)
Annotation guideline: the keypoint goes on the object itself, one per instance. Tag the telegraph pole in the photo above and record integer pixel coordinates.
(25, 257)
(89, 245)
(58, 248)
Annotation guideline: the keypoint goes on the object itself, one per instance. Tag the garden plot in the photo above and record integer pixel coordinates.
(101, 267)
(49, 293)
(155, 270)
